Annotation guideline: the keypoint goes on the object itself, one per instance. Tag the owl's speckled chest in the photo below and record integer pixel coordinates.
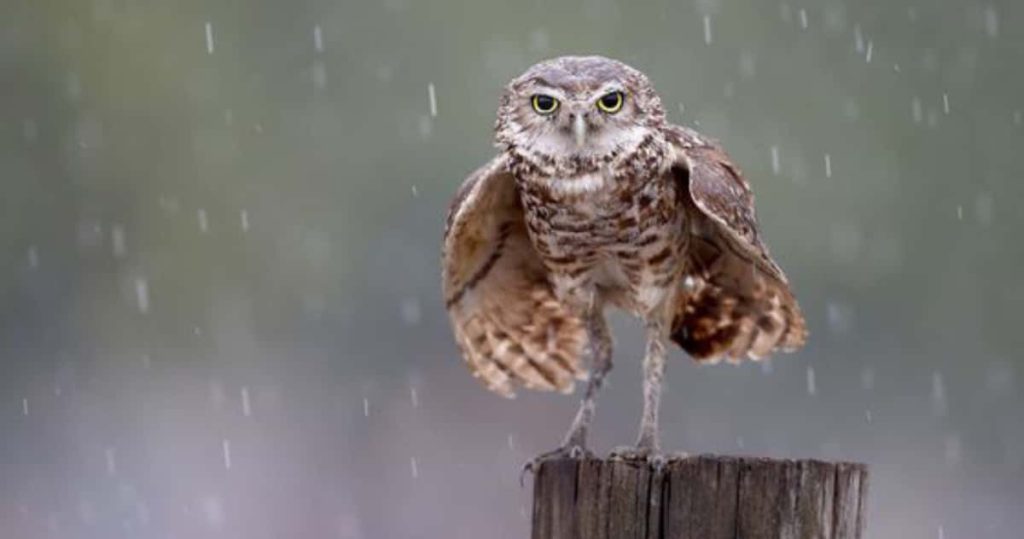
(621, 236)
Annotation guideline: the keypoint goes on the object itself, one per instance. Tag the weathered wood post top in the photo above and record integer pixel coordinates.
(700, 497)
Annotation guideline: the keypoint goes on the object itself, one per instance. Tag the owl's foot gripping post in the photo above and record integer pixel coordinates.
(648, 444)
(575, 443)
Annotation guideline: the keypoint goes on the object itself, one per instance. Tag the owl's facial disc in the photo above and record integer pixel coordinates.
(578, 118)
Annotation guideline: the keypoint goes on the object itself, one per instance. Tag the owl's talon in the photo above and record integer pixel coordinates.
(651, 456)
(573, 451)
(657, 462)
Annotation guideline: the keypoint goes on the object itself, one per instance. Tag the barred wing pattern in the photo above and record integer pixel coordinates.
(735, 301)
(511, 328)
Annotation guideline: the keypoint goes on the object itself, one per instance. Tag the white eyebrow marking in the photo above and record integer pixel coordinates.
(609, 88)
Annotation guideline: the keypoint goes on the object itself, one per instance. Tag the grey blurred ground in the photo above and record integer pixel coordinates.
(219, 297)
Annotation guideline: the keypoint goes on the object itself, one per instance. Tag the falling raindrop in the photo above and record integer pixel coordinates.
(33, 257)
(243, 218)
(952, 449)
(74, 86)
(984, 207)
(432, 96)
(803, 19)
(29, 130)
(414, 468)
(510, 440)
(858, 39)
(319, 75)
(415, 192)
(142, 294)
(959, 213)
(867, 378)
(999, 378)
(168, 204)
(812, 387)
(111, 460)
(117, 240)
(246, 406)
(945, 103)
(213, 510)
(939, 406)
(217, 396)
(707, 29)
(24, 406)
(775, 160)
(828, 166)
(748, 66)
(991, 22)
(851, 109)
(209, 38)
(414, 397)
(226, 447)
(411, 312)
(366, 407)
(868, 54)
(915, 109)
(318, 39)
(204, 224)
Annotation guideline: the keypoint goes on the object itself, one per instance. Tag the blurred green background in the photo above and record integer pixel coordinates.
(220, 306)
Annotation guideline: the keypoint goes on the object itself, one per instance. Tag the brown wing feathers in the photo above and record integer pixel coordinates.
(508, 324)
(735, 301)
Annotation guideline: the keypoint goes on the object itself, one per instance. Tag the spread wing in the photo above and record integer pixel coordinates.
(735, 301)
(507, 322)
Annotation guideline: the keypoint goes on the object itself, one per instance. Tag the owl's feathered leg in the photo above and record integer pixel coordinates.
(648, 443)
(654, 373)
(601, 354)
(575, 442)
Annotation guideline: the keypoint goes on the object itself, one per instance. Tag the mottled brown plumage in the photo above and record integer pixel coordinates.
(595, 200)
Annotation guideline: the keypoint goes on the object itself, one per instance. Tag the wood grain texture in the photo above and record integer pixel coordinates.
(701, 497)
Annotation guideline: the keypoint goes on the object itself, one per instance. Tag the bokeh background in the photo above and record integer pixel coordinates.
(220, 306)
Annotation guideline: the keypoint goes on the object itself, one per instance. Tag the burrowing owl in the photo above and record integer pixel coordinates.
(596, 200)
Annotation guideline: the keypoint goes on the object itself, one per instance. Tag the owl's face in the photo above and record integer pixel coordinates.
(578, 107)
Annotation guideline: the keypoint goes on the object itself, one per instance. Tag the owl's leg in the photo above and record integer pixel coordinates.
(601, 354)
(575, 442)
(648, 444)
(654, 373)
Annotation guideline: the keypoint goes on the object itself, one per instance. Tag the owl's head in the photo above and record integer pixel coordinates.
(578, 107)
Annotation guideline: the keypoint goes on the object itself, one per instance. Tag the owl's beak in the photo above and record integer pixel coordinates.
(579, 129)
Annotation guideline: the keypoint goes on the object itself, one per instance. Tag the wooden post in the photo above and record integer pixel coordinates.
(703, 497)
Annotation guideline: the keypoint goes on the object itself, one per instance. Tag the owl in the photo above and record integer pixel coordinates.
(596, 201)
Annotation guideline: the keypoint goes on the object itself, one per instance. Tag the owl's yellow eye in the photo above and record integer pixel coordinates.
(544, 104)
(611, 102)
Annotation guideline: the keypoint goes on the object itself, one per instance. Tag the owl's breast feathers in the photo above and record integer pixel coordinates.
(613, 225)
